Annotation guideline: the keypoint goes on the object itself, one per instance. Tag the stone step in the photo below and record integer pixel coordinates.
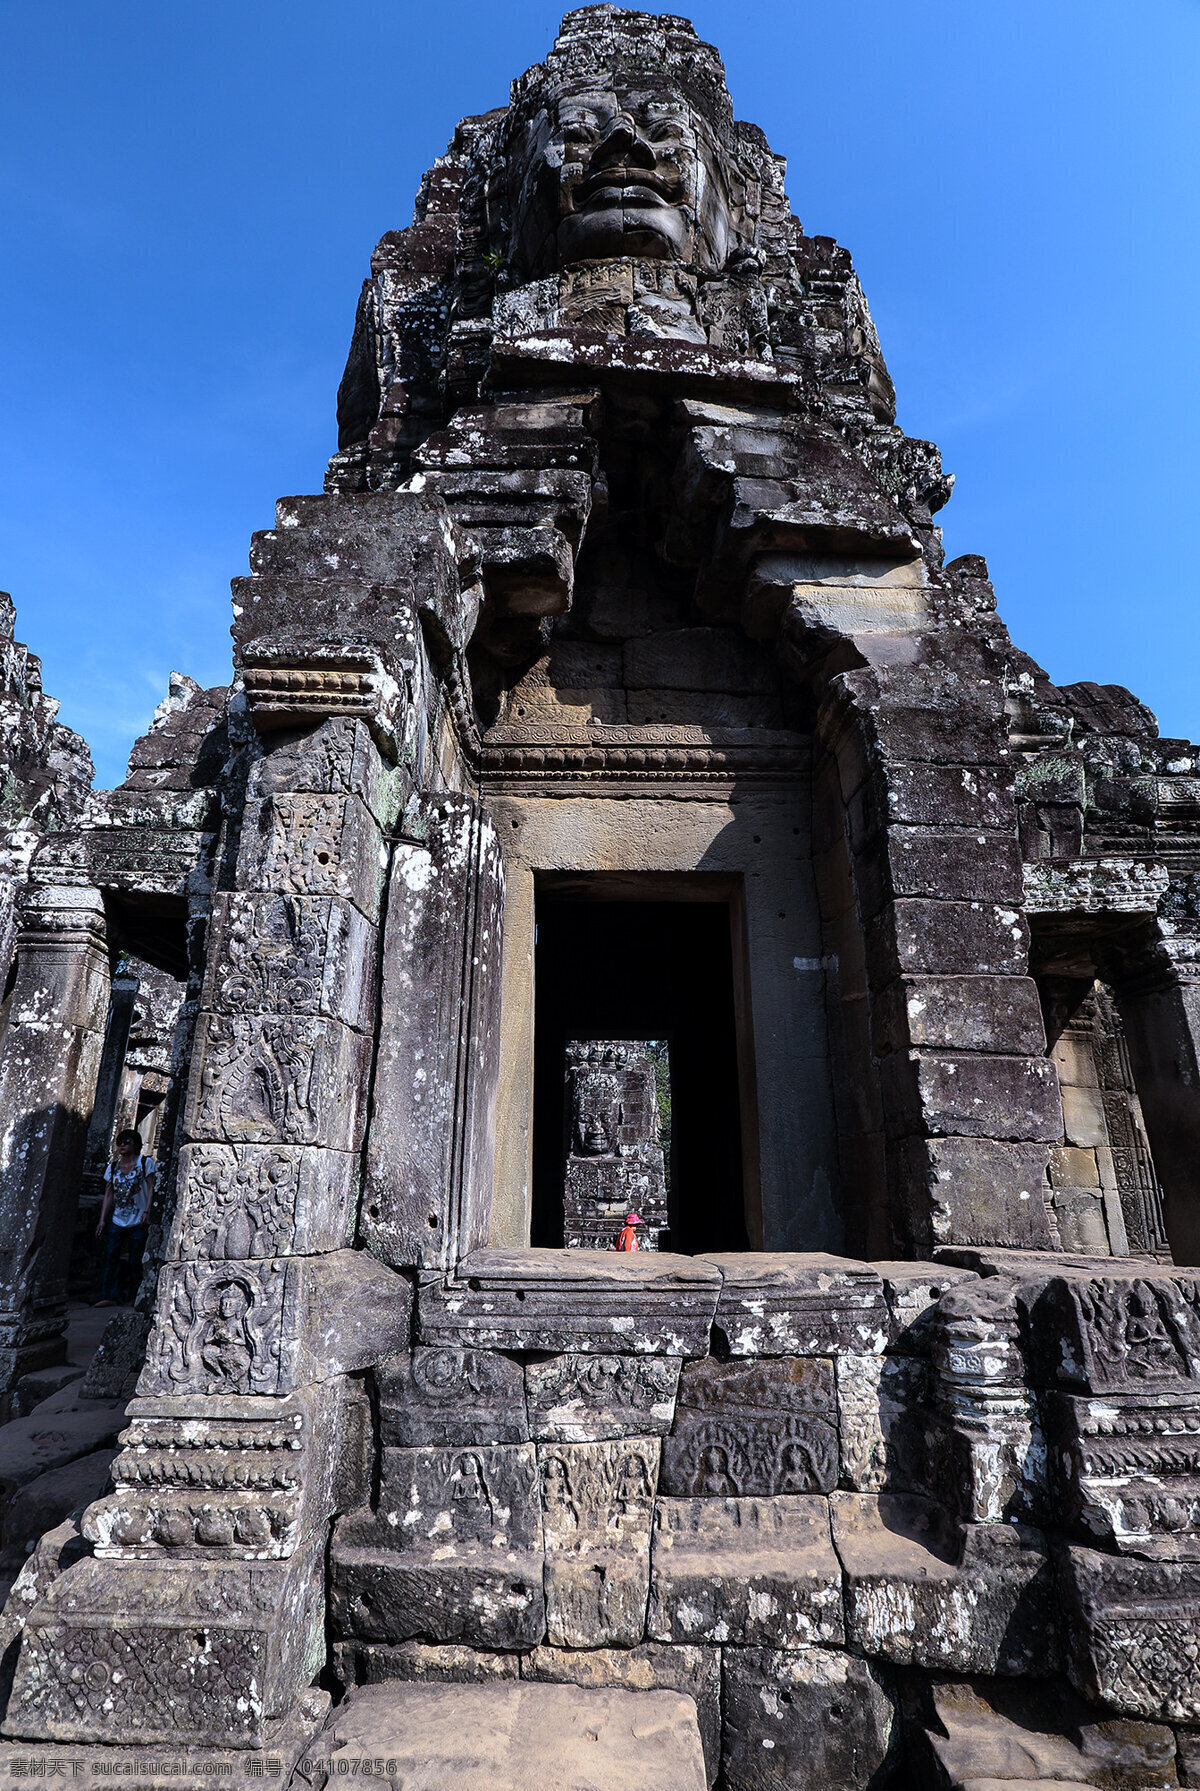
(512, 1737)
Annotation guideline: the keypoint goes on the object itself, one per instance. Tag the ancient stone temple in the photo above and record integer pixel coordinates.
(616, 690)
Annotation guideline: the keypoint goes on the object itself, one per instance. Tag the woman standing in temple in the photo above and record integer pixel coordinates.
(128, 1192)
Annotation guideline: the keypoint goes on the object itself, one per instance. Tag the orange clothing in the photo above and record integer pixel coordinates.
(627, 1238)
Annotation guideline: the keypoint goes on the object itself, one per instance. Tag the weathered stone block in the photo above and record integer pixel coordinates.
(270, 1325)
(1127, 1470)
(882, 1404)
(587, 1399)
(337, 758)
(1132, 1633)
(290, 953)
(275, 1079)
(972, 1190)
(651, 1666)
(744, 1571)
(995, 1733)
(934, 862)
(114, 1369)
(453, 1554)
(1137, 1330)
(912, 1290)
(919, 933)
(787, 1304)
(988, 1453)
(44, 1443)
(450, 1396)
(805, 1716)
(972, 1096)
(226, 1477)
(914, 1596)
(309, 845)
(258, 1200)
(505, 1736)
(977, 795)
(960, 1013)
(597, 1500)
(574, 1301)
(195, 1652)
(756, 1427)
(369, 1663)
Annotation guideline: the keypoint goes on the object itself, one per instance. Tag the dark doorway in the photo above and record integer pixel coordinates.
(644, 970)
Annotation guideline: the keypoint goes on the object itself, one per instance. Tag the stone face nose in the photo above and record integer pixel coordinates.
(624, 144)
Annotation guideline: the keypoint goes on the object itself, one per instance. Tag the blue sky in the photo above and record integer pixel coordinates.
(189, 194)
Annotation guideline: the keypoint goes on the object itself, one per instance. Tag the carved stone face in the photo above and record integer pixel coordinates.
(599, 174)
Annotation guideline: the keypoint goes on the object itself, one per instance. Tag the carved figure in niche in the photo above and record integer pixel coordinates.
(602, 171)
(557, 1497)
(631, 1487)
(1151, 1352)
(714, 1481)
(796, 1473)
(469, 1490)
(225, 1347)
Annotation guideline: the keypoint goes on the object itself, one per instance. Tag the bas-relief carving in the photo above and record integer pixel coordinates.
(1117, 1333)
(314, 845)
(250, 1484)
(251, 1201)
(447, 1395)
(1128, 1470)
(277, 1078)
(218, 1329)
(753, 1428)
(614, 1163)
(582, 1399)
(290, 954)
(445, 1500)
(1134, 1639)
(597, 1500)
(212, 1651)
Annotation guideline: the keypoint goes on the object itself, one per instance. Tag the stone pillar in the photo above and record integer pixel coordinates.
(941, 1008)
(48, 1067)
(200, 1617)
(112, 1064)
(1161, 1013)
(430, 1159)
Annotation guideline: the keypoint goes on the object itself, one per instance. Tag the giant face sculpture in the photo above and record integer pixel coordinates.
(603, 172)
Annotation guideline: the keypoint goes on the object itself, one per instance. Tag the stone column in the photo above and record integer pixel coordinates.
(940, 1005)
(112, 1064)
(200, 1617)
(49, 1063)
(1161, 1013)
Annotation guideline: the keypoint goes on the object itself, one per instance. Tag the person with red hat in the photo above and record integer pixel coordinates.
(627, 1237)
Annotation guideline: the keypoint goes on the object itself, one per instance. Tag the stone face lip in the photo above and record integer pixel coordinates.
(515, 1737)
